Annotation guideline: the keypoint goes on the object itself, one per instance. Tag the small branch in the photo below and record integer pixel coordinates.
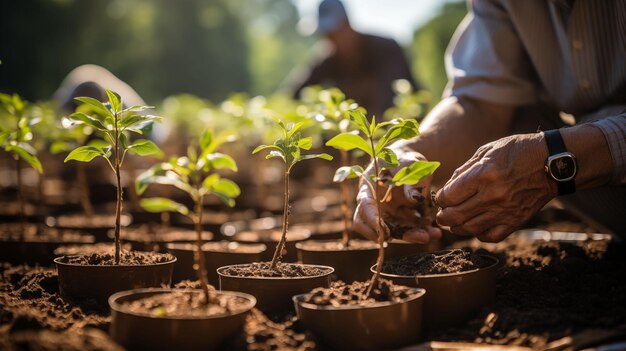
(118, 207)
(380, 230)
(201, 271)
(283, 239)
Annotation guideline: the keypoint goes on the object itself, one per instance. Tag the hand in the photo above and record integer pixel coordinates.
(405, 210)
(498, 190)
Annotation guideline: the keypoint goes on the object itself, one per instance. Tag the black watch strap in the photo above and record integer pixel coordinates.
(556, 145)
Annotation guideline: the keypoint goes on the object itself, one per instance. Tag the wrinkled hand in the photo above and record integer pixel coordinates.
(498, 190)
(405, 210)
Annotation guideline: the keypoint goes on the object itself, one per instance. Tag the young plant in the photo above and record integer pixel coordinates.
(114, 122)
(15, 139)
(194, 174)
(382, 157)
(289, 150)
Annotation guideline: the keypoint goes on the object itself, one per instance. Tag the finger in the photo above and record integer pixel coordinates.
(466, 211)
(477, 156)
(476, 225)
(458, 190)
(496, 234)
(422, 236)
(366, 219)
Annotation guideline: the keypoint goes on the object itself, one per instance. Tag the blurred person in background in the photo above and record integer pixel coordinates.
(363, 66)
(513, 66)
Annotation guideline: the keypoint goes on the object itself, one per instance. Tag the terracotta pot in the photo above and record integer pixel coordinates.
(452, 298)
(101, 281)
(349, 264)
(137, 331)
(271, 237)
(400, 248)
(274, 294)
(381, 326)
(216, 254)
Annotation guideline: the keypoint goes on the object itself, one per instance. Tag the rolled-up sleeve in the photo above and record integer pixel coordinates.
(614, 129)
(486, 59)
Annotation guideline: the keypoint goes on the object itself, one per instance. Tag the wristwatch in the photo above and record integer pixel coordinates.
(561, 165)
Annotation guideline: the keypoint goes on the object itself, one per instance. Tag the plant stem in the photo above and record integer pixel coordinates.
(380, 230)
(118, 208)
(85, 202)
(345, 206)
(20, 198)
(199, 254)
(283, 238)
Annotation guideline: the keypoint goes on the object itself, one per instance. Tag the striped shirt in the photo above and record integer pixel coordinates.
(568, 54)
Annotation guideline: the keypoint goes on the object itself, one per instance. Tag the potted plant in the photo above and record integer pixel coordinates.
(25, 242)
(99, 275)
(377, 304)
(161, 318)
(195, 174)
(349, 256)
(273, 283)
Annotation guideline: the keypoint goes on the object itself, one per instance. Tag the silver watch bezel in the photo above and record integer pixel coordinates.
(559, 156)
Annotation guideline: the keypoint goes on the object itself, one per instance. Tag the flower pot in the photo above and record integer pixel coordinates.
(101, 281)
(379, 326)
(274, 294)
(216, 254)
(156, 238)
(145, 331)
(399, 248)
(323, 230)
(98, 225)
(452, 298)
(350, 263)
(271, 237)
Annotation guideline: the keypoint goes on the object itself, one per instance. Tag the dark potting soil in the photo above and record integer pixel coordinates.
(88, 339)
(338, 245)
(126, 258)
(342, 294)
(285, 270)
(41, 233)
(186, 304)
(453, 261)
(88, 249)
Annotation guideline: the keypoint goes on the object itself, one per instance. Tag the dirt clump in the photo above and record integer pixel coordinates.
(126, 258)
(451, 261)
(186, 304)
(284, 270)
(342, 294)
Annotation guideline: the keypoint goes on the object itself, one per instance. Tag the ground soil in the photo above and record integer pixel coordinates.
(454, 261)
(88, 249)
(285, 270)
(126, 258)
(342, 294)
(186, 304)
(41, 233)
(338, 246)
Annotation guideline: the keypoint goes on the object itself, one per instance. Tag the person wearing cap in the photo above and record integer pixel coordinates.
(516, 67)
(363, 66)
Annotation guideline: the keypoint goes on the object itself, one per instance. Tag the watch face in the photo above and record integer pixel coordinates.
(562, 167)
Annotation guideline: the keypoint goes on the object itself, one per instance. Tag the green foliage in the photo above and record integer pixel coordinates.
(16, 131)
(329, 107)
(289, 147)
(114, 122)
(408, 103)
(193, 174)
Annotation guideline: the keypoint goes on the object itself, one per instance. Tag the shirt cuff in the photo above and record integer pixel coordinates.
(614, 129)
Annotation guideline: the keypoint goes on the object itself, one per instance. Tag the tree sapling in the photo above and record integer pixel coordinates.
(379, 152)
(194, 174)
(114, 122)
(289, 150)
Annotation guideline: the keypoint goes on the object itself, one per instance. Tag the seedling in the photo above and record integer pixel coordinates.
(16, 141)
(378, 151)
(114, 122)
(289, 150)
(194, 174)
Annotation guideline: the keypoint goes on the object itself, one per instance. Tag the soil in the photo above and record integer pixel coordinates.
(284, 270)
(41, 233)
(88, 249)
(454, 261)
(342, 294)
(126, 258)
(186, 304)
(338, 246)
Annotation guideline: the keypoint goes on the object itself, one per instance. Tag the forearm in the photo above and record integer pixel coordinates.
(455, 128)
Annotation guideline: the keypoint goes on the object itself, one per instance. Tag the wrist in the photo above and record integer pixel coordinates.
(588, 144)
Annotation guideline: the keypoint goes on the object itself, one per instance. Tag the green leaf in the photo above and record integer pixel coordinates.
(220, 161)
(294, 129)
(326, 157)
(406, 129)
(263, 147)
(161, 204)
(115, 100)
(349, 141)
(389, 156)
(87, 120)
(276, 154)
(96, 106)
(124, 140)
(3, 136)
(205, 139)
(85, 154)
(347, 172)
(31, 159)
(415, 172)
(144, 147)
(305, 143)
(358, 118)
(59, 146)
(226, 187)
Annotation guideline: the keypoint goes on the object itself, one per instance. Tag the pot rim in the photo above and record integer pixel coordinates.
(58, 262)
(120, 308)
(301, 245)
(443, 275)
(297, 299)
(177, 246)
(329, 268)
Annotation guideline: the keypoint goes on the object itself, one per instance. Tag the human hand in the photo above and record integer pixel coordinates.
(406, 211)
(498, 190)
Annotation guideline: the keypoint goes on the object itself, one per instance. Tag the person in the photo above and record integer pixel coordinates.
(363, 66)
(516, 67)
